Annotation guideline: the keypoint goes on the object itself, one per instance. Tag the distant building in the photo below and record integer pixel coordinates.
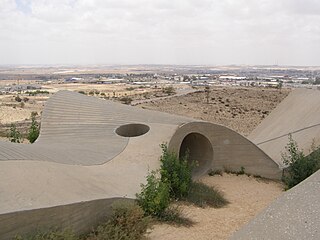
(231, 78)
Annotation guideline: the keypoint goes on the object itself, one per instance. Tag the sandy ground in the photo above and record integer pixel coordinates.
(12, 111)
(247, 196)
(240, 109)
(10, 114)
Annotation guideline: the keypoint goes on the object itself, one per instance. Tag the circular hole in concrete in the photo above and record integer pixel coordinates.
(200, 151)
(132, 130)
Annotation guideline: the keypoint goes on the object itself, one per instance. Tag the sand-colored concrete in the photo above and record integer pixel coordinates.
(79, 157)
(298, 114)
(295, 215)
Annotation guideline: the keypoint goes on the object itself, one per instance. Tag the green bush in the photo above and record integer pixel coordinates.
(299, 166)
(177, 172)
(202, 195)
(175, 182)
(126, 100)
(34, 129)
(127, 223)
(14, 135)
(154, 197)
(130, 88)
(34, 93)
(18, 99)
(239, 172)
(169, 90)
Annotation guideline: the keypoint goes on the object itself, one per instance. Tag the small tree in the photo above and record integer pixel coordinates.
(207, 91)
(154, 197)
(14, 135)
(18, 99)
(299, 166)
(177, 172)
(34, 129)
(292, 152)
(280, 85)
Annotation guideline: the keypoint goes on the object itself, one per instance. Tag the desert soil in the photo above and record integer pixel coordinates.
(240, 109)
(247, 197)
(12, 111)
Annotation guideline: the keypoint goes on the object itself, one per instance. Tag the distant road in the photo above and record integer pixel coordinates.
(179, 92)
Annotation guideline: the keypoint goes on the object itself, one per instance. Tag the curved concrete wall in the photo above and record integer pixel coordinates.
(298, 114)
(230, 150)
(295, 214)
(80, 217)
(79, 158)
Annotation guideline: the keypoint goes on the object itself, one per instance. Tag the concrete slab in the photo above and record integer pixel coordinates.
(298, 114)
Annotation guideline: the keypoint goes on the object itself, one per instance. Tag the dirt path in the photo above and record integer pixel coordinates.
(247, 197)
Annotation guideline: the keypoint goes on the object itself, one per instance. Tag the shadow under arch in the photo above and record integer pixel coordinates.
(199, 150)
(217, 147)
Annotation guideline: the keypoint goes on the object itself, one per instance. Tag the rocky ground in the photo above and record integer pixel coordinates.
(240, 109)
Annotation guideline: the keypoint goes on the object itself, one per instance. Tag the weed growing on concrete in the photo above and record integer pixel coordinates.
(240, 172)
(214, 172)
(299, 166)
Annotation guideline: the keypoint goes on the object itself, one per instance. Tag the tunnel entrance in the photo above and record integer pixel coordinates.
(200, 151)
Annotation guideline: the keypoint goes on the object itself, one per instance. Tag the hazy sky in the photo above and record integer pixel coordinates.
(213, 32)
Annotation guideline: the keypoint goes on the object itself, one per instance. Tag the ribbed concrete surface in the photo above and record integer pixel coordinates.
(298, 114)
(77, 129)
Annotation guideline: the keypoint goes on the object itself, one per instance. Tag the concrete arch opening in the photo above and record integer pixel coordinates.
(200, 151)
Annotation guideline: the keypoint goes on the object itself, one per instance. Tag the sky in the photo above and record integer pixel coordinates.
(182, 32)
